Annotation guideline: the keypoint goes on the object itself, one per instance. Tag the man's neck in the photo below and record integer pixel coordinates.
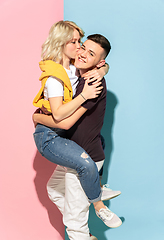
(82, 72)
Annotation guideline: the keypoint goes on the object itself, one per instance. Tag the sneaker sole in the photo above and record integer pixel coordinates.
(115, 226)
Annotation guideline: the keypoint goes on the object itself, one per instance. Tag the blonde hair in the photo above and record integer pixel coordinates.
(59, 35)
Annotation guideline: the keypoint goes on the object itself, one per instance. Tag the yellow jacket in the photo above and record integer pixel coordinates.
(51, 68)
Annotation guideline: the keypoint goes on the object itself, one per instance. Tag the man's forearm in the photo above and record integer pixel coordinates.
(44, 119)
(64, 124)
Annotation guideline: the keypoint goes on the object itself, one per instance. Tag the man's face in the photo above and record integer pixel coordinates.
(90, 55)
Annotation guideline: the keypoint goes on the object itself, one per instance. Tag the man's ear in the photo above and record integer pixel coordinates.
(101, 63)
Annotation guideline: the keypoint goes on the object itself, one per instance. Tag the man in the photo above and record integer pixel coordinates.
(64, 188)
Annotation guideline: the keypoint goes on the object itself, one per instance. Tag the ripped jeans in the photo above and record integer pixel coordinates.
(53, 146)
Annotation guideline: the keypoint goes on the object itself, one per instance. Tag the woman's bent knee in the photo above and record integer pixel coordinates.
(88, 165)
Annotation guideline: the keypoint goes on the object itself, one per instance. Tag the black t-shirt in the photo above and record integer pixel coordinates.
(86, 131)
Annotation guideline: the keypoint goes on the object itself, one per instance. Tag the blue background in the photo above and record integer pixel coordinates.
(133, 127)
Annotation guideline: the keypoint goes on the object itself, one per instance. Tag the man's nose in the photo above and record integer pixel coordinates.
(84, 53)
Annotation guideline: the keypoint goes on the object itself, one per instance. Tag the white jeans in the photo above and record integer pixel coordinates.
(64, 189)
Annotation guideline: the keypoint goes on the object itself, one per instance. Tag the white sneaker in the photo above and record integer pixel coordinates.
(109, 218)
(93, 237)
(108, 193)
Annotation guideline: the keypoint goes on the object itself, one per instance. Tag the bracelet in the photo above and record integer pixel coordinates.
(83, 97)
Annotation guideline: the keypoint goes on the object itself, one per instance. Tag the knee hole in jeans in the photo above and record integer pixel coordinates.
(85, 156)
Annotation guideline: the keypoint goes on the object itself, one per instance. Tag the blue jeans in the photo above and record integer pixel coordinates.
(53, 146)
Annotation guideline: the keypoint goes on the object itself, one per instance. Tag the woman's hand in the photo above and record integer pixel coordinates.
(91, 90)
(96, 74)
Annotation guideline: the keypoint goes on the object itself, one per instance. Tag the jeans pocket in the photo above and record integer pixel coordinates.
(38, 138)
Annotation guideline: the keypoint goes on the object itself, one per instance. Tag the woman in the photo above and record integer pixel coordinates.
(60, 47)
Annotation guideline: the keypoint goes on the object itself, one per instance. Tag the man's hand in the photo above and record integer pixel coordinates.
(33, 116)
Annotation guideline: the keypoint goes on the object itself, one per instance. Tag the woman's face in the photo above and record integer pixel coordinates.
(73, 46)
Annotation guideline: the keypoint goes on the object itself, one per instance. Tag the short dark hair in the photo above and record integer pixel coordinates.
(102, 41)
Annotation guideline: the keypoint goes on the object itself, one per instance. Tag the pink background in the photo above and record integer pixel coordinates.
(26, 213)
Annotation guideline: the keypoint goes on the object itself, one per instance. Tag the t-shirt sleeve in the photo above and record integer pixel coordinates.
(54, 87)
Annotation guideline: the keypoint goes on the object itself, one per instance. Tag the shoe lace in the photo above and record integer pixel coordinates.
(106, 186)
(105, 214)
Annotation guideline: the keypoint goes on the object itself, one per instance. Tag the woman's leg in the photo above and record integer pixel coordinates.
(67, 153)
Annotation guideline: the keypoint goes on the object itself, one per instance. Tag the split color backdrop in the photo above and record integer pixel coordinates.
(133, 127)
